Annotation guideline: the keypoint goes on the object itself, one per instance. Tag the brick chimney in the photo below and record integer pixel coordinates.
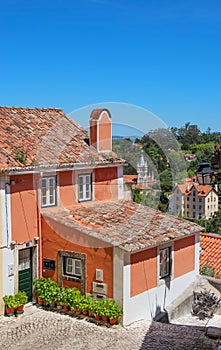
(101, 130)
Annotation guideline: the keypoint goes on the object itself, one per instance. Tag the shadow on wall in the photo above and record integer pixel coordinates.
(162, 336)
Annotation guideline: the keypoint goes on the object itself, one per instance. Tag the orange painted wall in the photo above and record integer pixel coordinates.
(106, 184)
(105, 136)
(184, 256)
(23, 209)
(59, 237)
(143, 273)
(67, 189)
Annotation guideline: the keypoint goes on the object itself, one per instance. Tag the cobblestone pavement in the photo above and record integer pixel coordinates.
(39, 329)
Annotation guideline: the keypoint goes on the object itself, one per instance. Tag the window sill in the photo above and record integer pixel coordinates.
(71, 278)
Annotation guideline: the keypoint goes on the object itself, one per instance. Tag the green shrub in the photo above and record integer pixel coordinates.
(207, 270)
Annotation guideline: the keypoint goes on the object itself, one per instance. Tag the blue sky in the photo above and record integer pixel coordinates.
(162, 55)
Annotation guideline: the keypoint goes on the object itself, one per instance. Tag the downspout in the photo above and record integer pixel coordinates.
(39, 229)
(6, 213)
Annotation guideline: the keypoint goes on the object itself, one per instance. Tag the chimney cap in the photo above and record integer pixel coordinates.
(96, 113)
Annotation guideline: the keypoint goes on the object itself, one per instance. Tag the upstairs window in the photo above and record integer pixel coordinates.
(48, 191)
(165, 262)
(84, 187)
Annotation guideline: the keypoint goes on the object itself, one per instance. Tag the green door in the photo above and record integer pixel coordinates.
(25, 271)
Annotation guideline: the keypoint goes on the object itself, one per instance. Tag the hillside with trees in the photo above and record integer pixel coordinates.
(164, 151)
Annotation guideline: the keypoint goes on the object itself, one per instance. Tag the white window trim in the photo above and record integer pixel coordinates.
(84, 196)
(163, 280)
(73, 267)
(48, 203)
(168, 253)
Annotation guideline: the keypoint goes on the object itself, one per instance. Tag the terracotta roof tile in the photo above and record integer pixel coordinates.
(202, 190)
(130, 178)
(43, 136)
(124, 223)
(211, 254)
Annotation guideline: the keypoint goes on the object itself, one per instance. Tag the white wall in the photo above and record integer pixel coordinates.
(120, 182)
(147, 304)
(7, 252)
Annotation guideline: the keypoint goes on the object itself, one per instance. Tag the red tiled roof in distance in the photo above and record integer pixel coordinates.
(130, 178)
(202, 190)
(211, 254)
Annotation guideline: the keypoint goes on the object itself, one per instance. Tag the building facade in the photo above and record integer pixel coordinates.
(194, 200)
(63, 215)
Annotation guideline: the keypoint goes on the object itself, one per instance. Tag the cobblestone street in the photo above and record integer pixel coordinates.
(39, 329)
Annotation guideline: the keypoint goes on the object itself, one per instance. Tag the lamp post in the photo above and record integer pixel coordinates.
(204, 174)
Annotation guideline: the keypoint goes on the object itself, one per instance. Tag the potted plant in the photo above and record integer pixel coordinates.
(59, 295)
(39, 289)
(104, 310)
(22, 299)
(90, 304)
(10, 304)
(65, 298)
(95, 308)
(51, 291)
(77, 303)
(114, 312)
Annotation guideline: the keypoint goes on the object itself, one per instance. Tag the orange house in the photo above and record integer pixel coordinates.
(63, 215)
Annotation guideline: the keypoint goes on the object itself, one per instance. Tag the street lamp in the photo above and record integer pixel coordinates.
(204, 174)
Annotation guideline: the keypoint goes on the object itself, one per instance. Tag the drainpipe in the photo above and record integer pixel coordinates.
(39, 229)
(6, 214)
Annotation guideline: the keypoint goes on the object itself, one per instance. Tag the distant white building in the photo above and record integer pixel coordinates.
(194, 200)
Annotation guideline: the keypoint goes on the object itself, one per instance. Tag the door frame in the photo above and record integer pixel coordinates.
(34, 259)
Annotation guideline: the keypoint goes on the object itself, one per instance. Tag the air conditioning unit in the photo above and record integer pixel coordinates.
(100, 288)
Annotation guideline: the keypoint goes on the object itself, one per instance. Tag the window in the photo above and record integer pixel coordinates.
(194, 193)
(188, 206)
(71, 267)
(194, 214)
(164, 262)
(48, 191)
(208, 200)
(194, 207)
(200, 199)
(84, 187)
(194, 199)
(200, 207)
(188, 198)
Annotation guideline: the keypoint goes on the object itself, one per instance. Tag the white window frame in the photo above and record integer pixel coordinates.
(164, 272)
(71, 267)
(84, 193)
(49, 202)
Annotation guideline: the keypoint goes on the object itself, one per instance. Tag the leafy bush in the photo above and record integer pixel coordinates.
(207, 270)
